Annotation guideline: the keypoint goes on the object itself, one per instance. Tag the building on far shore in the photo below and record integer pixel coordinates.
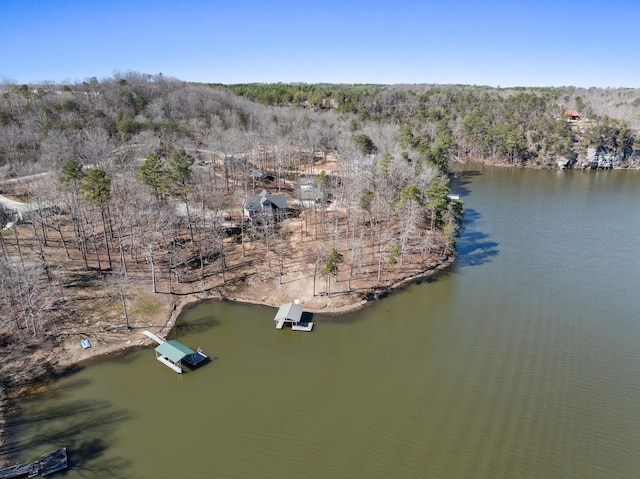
(572, 115)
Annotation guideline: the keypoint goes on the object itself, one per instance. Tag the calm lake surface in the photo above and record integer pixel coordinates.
(522, 361)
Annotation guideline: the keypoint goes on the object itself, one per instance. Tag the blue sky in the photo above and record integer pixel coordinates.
(497, 43)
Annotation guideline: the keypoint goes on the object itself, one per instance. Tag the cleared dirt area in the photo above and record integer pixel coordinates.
(93, 307)
(91, 304)
(85, 298)
(91, 297)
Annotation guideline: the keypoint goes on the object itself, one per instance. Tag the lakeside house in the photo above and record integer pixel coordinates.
(265, 204)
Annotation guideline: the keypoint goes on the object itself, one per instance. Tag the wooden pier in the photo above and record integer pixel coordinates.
(48, 464)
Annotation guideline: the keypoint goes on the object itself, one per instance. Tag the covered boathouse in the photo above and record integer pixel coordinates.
(292, 313)
(171, 353)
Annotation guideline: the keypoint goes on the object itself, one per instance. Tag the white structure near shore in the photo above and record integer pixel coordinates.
(292, 313)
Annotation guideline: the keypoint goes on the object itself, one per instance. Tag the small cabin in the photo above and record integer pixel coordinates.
(572, 115)
(311, 193)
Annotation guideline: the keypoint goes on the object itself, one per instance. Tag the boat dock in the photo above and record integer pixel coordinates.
(171, 353)
(292, 313)
(48, 464)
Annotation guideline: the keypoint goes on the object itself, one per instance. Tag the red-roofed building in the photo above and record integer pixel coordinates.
(573, 115)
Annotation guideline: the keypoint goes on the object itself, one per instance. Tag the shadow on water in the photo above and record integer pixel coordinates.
(63, 389)
(85, 427)
(474, 246)
(88, 459)
(196, 325)
(459, 184)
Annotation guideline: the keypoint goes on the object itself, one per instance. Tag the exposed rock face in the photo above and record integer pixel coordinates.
(598, 159)
(566, 163)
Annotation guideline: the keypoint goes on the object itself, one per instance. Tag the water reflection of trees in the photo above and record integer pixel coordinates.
(474, 246)
(461, 180)
(47, 420)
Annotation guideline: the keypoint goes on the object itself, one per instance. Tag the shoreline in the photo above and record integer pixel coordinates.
(176, 306)
(180, 303)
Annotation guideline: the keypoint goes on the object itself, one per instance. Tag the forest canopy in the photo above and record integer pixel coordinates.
(524, 126)
(182, 188)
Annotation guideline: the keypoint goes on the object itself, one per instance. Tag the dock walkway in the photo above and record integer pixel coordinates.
(155, 337)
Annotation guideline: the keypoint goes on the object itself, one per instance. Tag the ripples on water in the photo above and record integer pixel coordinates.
(520, 362)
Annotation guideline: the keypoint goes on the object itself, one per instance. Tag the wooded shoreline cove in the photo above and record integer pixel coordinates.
(142, 192)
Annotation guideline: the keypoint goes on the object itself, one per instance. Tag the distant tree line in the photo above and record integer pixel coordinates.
(524, 126)
(340, 98)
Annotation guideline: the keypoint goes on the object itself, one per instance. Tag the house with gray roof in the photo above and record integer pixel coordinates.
(311, 193)
(265, 204)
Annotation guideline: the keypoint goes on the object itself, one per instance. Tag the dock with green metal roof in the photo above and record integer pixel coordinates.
(172, 353)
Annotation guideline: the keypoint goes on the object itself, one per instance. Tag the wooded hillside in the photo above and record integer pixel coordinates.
(142, 184)
(517, 126)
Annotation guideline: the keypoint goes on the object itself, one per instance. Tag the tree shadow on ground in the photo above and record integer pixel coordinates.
(474, 246)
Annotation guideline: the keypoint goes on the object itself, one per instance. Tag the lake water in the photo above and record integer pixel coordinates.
(522, 361)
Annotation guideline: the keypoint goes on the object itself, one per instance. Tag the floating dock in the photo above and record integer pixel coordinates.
(171, 353)
(302, 326)
(48, 464)
(292, 313)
